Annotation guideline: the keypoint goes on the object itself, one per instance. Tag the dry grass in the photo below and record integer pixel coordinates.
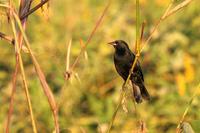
(23, 14)
(20, 36)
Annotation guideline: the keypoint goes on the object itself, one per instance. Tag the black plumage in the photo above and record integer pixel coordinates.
(123, 59)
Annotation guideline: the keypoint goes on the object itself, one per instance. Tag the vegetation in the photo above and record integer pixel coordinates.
(81, 91)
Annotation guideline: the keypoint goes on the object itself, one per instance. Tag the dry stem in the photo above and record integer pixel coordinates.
(188, 107)
(24, 78)
(34, 9)
(90, 37)
(19, 40)
(41, 76)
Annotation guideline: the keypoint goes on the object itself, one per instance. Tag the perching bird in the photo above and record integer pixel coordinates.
(123, 59)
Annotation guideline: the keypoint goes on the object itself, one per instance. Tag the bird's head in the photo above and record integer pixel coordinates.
(120, 46)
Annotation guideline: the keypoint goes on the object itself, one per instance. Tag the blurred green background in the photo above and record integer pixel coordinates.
(170, 65)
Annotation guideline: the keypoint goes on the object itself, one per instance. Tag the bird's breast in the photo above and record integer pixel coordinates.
(122, 65)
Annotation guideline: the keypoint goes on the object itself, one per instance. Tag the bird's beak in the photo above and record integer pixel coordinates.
(112, 43)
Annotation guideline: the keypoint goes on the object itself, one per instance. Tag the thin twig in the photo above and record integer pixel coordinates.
(12, 41)
(82, 46)
(188, 107)
(166, 14)
(142, 32)
(7, 38)
(177, 8)
(91, 35)
(122, 94)
(9, 11)
(4, 5)
(167, 10)
(34, 9)
(157, 24)
(83, 49)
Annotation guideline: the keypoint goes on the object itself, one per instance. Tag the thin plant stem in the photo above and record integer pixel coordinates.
(178, 7)
(7, 38)
(82, 46)
(158, 23)
(34, 9)
(24, 78)
(188, 107)
(41, 76)
(68, 55)
(122, 95)
(14, 78)
(131, 70)
(142, 31)
(4, 5)
(91, 35)
(137, 26)
(168, 12)
(116, 110)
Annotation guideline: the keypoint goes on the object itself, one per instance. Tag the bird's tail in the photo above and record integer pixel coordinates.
(140, 92)
(144, 92)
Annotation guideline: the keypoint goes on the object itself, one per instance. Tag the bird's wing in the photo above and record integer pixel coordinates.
(137, 68)
(140, 71)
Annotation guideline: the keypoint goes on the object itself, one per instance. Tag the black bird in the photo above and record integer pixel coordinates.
(123, 59)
